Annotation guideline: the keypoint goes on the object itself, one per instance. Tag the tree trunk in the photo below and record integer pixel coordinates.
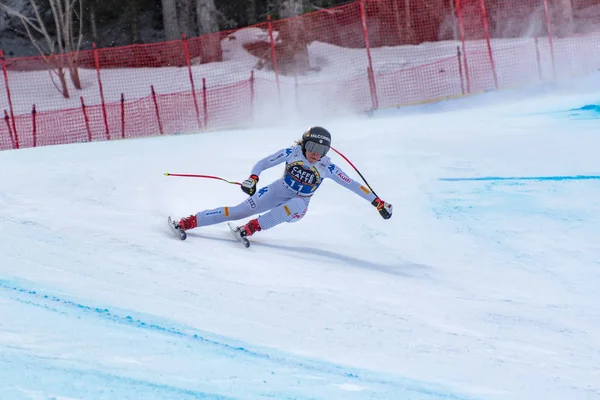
(251, 12)
(290, 8)
(132, 17)
(186, 23)
(409, 31)
(74, 70)
(93, 26)
(63, 83)
(60, 72)
(397, 39)
(170, 21)
(293, 40)
(562, 16)
(71, 33)
(206, 16)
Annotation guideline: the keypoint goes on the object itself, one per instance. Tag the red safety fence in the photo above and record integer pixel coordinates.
(358, 57)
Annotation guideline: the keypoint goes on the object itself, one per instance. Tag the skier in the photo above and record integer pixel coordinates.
(286, 199)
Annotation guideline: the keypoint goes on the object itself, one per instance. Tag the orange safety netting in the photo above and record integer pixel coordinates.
(354, 58)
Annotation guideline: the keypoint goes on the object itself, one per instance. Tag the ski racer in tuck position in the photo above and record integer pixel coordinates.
(286, 199)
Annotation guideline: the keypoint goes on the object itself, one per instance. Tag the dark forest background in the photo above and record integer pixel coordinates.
(122, 22)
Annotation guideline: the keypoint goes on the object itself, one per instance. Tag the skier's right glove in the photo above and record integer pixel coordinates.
(385, 209)
(249, 185)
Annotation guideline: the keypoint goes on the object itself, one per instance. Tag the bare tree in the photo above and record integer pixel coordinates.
(6, 19)
(61, 50)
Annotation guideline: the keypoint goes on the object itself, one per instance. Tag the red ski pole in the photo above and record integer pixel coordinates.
(202, 176)
(356, 169)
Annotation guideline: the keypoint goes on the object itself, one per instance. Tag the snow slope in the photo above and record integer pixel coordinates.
(483, 285)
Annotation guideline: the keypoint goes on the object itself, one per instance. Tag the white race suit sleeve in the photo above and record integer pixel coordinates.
(270, 161)
(344, 180)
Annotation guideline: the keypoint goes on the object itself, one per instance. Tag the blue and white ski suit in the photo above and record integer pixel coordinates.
(287, 198)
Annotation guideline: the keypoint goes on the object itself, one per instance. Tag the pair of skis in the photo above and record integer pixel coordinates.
(180, 233)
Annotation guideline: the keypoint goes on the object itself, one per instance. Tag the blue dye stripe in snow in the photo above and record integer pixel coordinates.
(394, 383)
(99, 385)
(525, 178)
(127, 319)
(588, 107)
(586, 112)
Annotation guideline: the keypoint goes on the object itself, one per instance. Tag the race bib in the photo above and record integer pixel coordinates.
(301, 178)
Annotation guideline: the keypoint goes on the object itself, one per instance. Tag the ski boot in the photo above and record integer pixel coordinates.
(249, 229)
(179, 227)
(187, 223)
(241, 233)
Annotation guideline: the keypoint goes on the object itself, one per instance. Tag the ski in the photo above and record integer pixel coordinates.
(180, 233)
(235, 233)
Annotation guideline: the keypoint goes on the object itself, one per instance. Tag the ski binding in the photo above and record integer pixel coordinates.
(237, 235)
(180, 233)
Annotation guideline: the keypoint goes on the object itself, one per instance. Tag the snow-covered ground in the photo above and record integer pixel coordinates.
(483, 285)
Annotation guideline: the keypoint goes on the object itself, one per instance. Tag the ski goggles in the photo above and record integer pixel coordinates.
(313, 147)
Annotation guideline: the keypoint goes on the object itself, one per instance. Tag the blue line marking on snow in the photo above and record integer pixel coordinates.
(273, 373)
(127, 320)
(586, 112)
(589, 111)
(107, 384)
(524, 178)
(588, 107)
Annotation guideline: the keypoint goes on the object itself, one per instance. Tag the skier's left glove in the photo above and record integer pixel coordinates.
(249, 185)
(385, 209)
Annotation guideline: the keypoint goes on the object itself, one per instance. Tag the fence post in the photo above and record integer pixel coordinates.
(274, 57)
(489, 44)
(205, 103)
(97, 64)
(160, 127)
(370, 72)
(538, 58)
(86, 119)
(189, 64)
(122, 116)
(252, 96)
(7, 120)
(462, 39)
(296, 94)
(460, 71)
(14, 138)
(550, 41)
(34, 121)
